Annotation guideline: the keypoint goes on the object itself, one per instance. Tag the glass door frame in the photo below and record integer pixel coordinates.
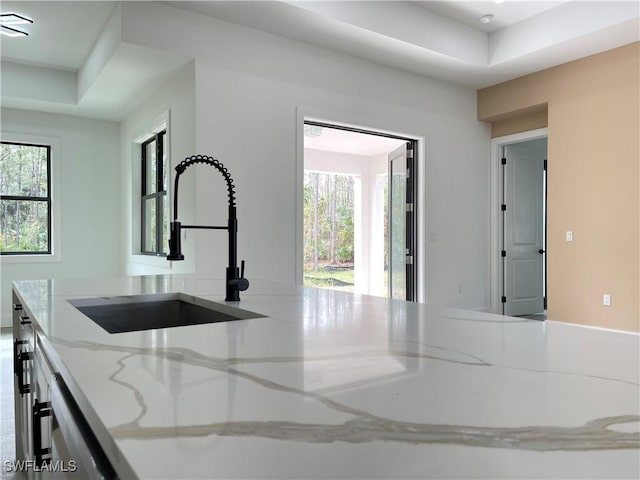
(409, 238)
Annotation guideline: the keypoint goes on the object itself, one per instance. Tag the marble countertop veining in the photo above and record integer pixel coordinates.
(334, 385)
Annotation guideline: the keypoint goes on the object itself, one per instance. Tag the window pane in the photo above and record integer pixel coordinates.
(164, 248)
(150, 225)
(398, 229)
(165, 167)
(23, 170)
(155, 230)
(151, 167)
(23, 226)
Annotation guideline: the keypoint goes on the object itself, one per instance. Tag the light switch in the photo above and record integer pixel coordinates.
(569, 236)
(606, 300)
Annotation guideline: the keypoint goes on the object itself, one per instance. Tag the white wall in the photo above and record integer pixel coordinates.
(250, 87)
(176, 102)
(89, 176)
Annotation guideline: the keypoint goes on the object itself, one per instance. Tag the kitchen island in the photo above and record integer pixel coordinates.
(335, 385)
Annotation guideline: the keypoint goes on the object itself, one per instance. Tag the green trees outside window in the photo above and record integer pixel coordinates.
(328, 229)
(25, 198)
(155, 207)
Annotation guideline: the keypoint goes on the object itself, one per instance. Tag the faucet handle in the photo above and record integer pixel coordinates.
(241, 283)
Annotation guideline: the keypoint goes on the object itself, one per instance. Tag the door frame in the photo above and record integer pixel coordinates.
(340, 119)
(495, 259)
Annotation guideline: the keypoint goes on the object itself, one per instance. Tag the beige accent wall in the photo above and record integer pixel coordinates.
(522, 121)
(593, 180)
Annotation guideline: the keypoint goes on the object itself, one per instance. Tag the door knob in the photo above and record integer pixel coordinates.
(541, 251)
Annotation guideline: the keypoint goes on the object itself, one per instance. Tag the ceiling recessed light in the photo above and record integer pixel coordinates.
(7, 19)
(312, 131)
(14, 19)
(12, 32)
(486, 18)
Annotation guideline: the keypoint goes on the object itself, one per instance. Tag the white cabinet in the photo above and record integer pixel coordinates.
(23, 349)
(53, 439)
(42, 412)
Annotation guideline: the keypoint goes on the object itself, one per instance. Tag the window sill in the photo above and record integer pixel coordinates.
(26, 258)
(151, 261)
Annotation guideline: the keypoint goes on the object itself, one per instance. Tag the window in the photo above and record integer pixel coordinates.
(155, 208)
(25, 199)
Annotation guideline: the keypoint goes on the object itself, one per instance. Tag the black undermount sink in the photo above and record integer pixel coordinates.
(148, 312)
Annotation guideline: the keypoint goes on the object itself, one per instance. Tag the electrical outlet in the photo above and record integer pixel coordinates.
(606, 300)
(569, 236)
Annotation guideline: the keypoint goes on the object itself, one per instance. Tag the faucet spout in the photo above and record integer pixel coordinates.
(235, 280)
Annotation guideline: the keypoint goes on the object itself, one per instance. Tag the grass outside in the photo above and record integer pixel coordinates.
(336, 279)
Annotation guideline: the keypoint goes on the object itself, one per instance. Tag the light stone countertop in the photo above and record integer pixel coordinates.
(334, 385)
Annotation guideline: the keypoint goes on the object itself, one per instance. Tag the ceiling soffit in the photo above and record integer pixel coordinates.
(113, 79)
(404, 35)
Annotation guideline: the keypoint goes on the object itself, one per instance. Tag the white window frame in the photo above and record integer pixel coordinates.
(54, 182)
(162, 122)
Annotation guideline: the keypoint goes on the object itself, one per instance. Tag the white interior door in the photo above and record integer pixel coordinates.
(523, 229)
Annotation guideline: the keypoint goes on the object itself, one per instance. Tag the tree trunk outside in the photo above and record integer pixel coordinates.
(315, 220)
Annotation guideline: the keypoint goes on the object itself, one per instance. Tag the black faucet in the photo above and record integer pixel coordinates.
(236, 282)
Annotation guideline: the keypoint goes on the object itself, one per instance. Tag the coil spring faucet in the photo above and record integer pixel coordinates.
(236, 282)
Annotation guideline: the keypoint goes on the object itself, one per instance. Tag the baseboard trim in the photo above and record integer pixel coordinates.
(482, 310)
(6, 321)
(593, 327)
